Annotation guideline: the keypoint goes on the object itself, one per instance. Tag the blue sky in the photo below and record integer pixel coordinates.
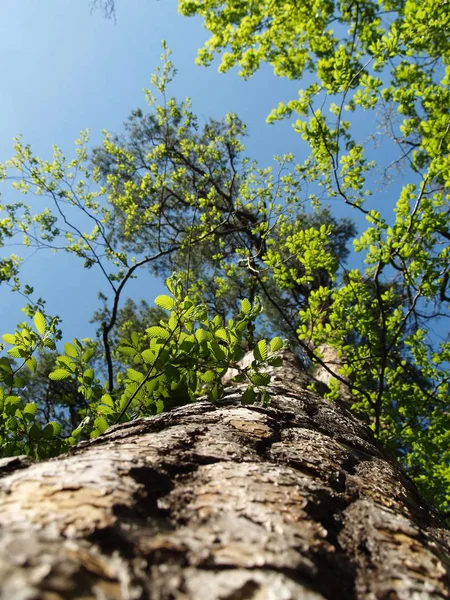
(65, 70)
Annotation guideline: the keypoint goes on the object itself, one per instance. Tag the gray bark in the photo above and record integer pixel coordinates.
(230, 502)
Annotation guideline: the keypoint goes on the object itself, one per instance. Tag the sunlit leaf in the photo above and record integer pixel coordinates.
(59, 374)
(165, 302)
(9, 338)
(276, 344)
(157, 332)
(70, 350)
(246, 306)
(260, 351)
(134, 375)
(39, 323)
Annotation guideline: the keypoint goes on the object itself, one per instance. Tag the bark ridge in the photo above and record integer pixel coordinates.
(223, 502)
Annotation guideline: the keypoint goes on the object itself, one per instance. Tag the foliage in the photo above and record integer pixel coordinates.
(190, 194)
(179, 360)
(389, 324)
(169, 195)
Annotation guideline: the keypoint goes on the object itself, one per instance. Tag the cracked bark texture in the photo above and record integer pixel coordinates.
(223, 502)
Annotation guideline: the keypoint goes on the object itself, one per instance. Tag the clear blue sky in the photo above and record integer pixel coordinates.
(65, 70)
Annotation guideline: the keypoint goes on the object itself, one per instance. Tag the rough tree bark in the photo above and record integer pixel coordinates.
(230, 502)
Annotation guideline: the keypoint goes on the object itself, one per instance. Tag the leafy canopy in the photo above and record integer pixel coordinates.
(388, 324)
(169, 195)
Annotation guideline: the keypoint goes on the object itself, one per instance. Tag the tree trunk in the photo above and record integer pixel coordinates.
(230, 502)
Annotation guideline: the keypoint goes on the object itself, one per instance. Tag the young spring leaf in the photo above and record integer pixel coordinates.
(88, 355)
(134, 375)
(261, 352)
(50, 344)
(260, 379)
(12, 403)
(106, 399)
(65, 361)
(9, 338)
(51, 430)
(127, 350)
(246, 306)
(70, 350)
(165, 302)
(157, 332)
(31, 363)
(59, 374)
(30, 409)
(101, 424)
(88, 376)
(35, 432)
(221, 334)
(208, 376)
(217, 351)
(39, 323)
(202, 335)
(276, 344)
(17, 352)
(148, 356)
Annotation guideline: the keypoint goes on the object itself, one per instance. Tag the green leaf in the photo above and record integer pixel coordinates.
(39, 323)
(30, 409)
(276, 344)
(165, 302)
(88, 355)
(208, 376)
(202, 335)
(51, 430)
(239, 378)
(221, 334)
(265, 398)
(134, 375)
(66, 361)
(88, 376)
(106, 399)
(127, 350)
(217, 351)
(246, 306)
(148, 356)
(59, 374)
(275, 361)
(260, 351)
(70, 350)
(50, 344)
(260, 379)
(31, 363)
(9, 338)
(214, 394)
(157, 332)
(101, 424)
(77, 345)
(77, 432)
(12, 403)
(35, 432)
(5, 365)
(16, 352)
(248, 397)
